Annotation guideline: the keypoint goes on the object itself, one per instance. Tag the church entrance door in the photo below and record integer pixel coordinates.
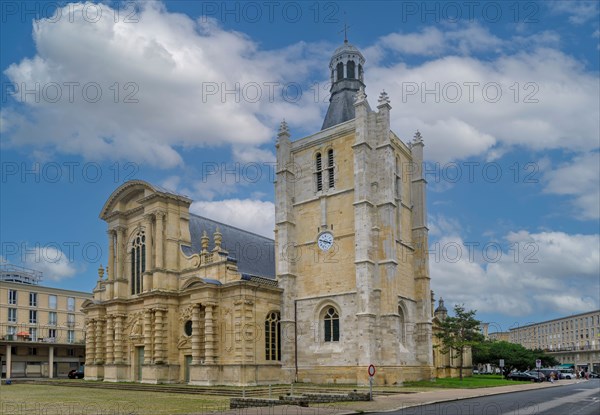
(140, 362)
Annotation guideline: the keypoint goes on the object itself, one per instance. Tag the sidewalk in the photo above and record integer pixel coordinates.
(391, 403)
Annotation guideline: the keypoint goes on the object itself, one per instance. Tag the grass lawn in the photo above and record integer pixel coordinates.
(18, 399)
(471, 382)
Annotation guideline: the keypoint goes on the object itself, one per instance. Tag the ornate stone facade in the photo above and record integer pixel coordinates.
(351, 286)
(167, 312)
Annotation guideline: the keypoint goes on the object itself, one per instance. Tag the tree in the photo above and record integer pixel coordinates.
(515, 355)
(458, 333)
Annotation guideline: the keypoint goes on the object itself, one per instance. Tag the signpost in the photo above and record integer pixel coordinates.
(371, 374)
(502, 367)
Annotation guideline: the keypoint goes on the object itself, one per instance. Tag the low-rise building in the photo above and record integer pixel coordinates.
(41, 328)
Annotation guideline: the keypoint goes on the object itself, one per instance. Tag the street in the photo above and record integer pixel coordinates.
(581, 398)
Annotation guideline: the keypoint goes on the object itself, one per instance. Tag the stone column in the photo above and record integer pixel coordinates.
(345, 70)
(8, 360)
(121, 251)
(110, 339)
(149, 219)
(90, 343)
(51, 362)
(111, 255)
(160, 215)
(209, 334)
(98, 358)
(147, 336)
(118, 347)
(196, 334)
(158, 336)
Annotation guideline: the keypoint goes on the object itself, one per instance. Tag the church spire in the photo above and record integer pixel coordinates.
(347, 78)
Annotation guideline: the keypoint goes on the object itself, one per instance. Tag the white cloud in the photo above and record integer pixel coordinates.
(253, 155)
(465, 107)
(252, 215)
(579, 11)
(167, 62)
(551, 272)
(431, 41)
(580, 178)
(54, 264)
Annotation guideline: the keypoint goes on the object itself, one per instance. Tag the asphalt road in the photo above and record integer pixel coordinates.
(576, 399)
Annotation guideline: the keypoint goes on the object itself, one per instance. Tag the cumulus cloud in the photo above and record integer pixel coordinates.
(252, 215)
(505, 277)
(142, 89)
(580, 178)
(54, 264)
(464, 107)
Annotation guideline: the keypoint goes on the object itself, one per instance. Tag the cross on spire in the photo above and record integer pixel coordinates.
(345, 30)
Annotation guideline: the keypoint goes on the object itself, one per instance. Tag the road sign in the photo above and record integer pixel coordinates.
(538, 363)
(501, 362)
(371, 370)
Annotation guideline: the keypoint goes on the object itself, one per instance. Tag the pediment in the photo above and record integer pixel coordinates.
(130, 195)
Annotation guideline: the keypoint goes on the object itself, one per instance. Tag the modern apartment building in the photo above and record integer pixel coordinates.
(41, 328)
(573, 340)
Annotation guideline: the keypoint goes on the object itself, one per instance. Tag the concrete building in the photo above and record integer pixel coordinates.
(573, 340)
(41, 328)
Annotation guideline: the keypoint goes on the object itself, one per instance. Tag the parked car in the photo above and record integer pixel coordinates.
(538, 374)
(594, 375)
(548, 373)
(567, 374)
(525, 376)
(76, 374)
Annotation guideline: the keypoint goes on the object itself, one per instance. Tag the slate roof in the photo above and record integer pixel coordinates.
(254, 254)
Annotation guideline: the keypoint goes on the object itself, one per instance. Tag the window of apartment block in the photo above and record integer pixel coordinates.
(12, 315)
(33, 297)
(70, 304)
(70, 336)
(32, 316)
(52, 302)
(70, 352)
(52, 333)
(70, 319)
(33, 351)
(52, 318)
(11, 330)
(33, 334)
(12, 296)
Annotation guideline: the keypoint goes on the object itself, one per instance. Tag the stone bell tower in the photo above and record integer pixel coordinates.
(351, 242)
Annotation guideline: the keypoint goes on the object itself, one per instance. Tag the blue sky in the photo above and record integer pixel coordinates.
(505, 94)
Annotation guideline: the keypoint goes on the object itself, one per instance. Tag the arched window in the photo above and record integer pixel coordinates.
(360, 72)
(331, 324)
(319, 172)
(330, 169)
(273, 336)
(138, 262)
(350, 69)
(340, 71)
(402, 326)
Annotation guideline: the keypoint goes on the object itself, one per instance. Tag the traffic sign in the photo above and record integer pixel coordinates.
(538, 363)
(371, 370)
(501, 362)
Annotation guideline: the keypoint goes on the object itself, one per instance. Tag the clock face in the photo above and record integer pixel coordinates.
(325, 241)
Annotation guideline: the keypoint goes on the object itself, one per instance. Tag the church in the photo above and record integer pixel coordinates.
(345, 284)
